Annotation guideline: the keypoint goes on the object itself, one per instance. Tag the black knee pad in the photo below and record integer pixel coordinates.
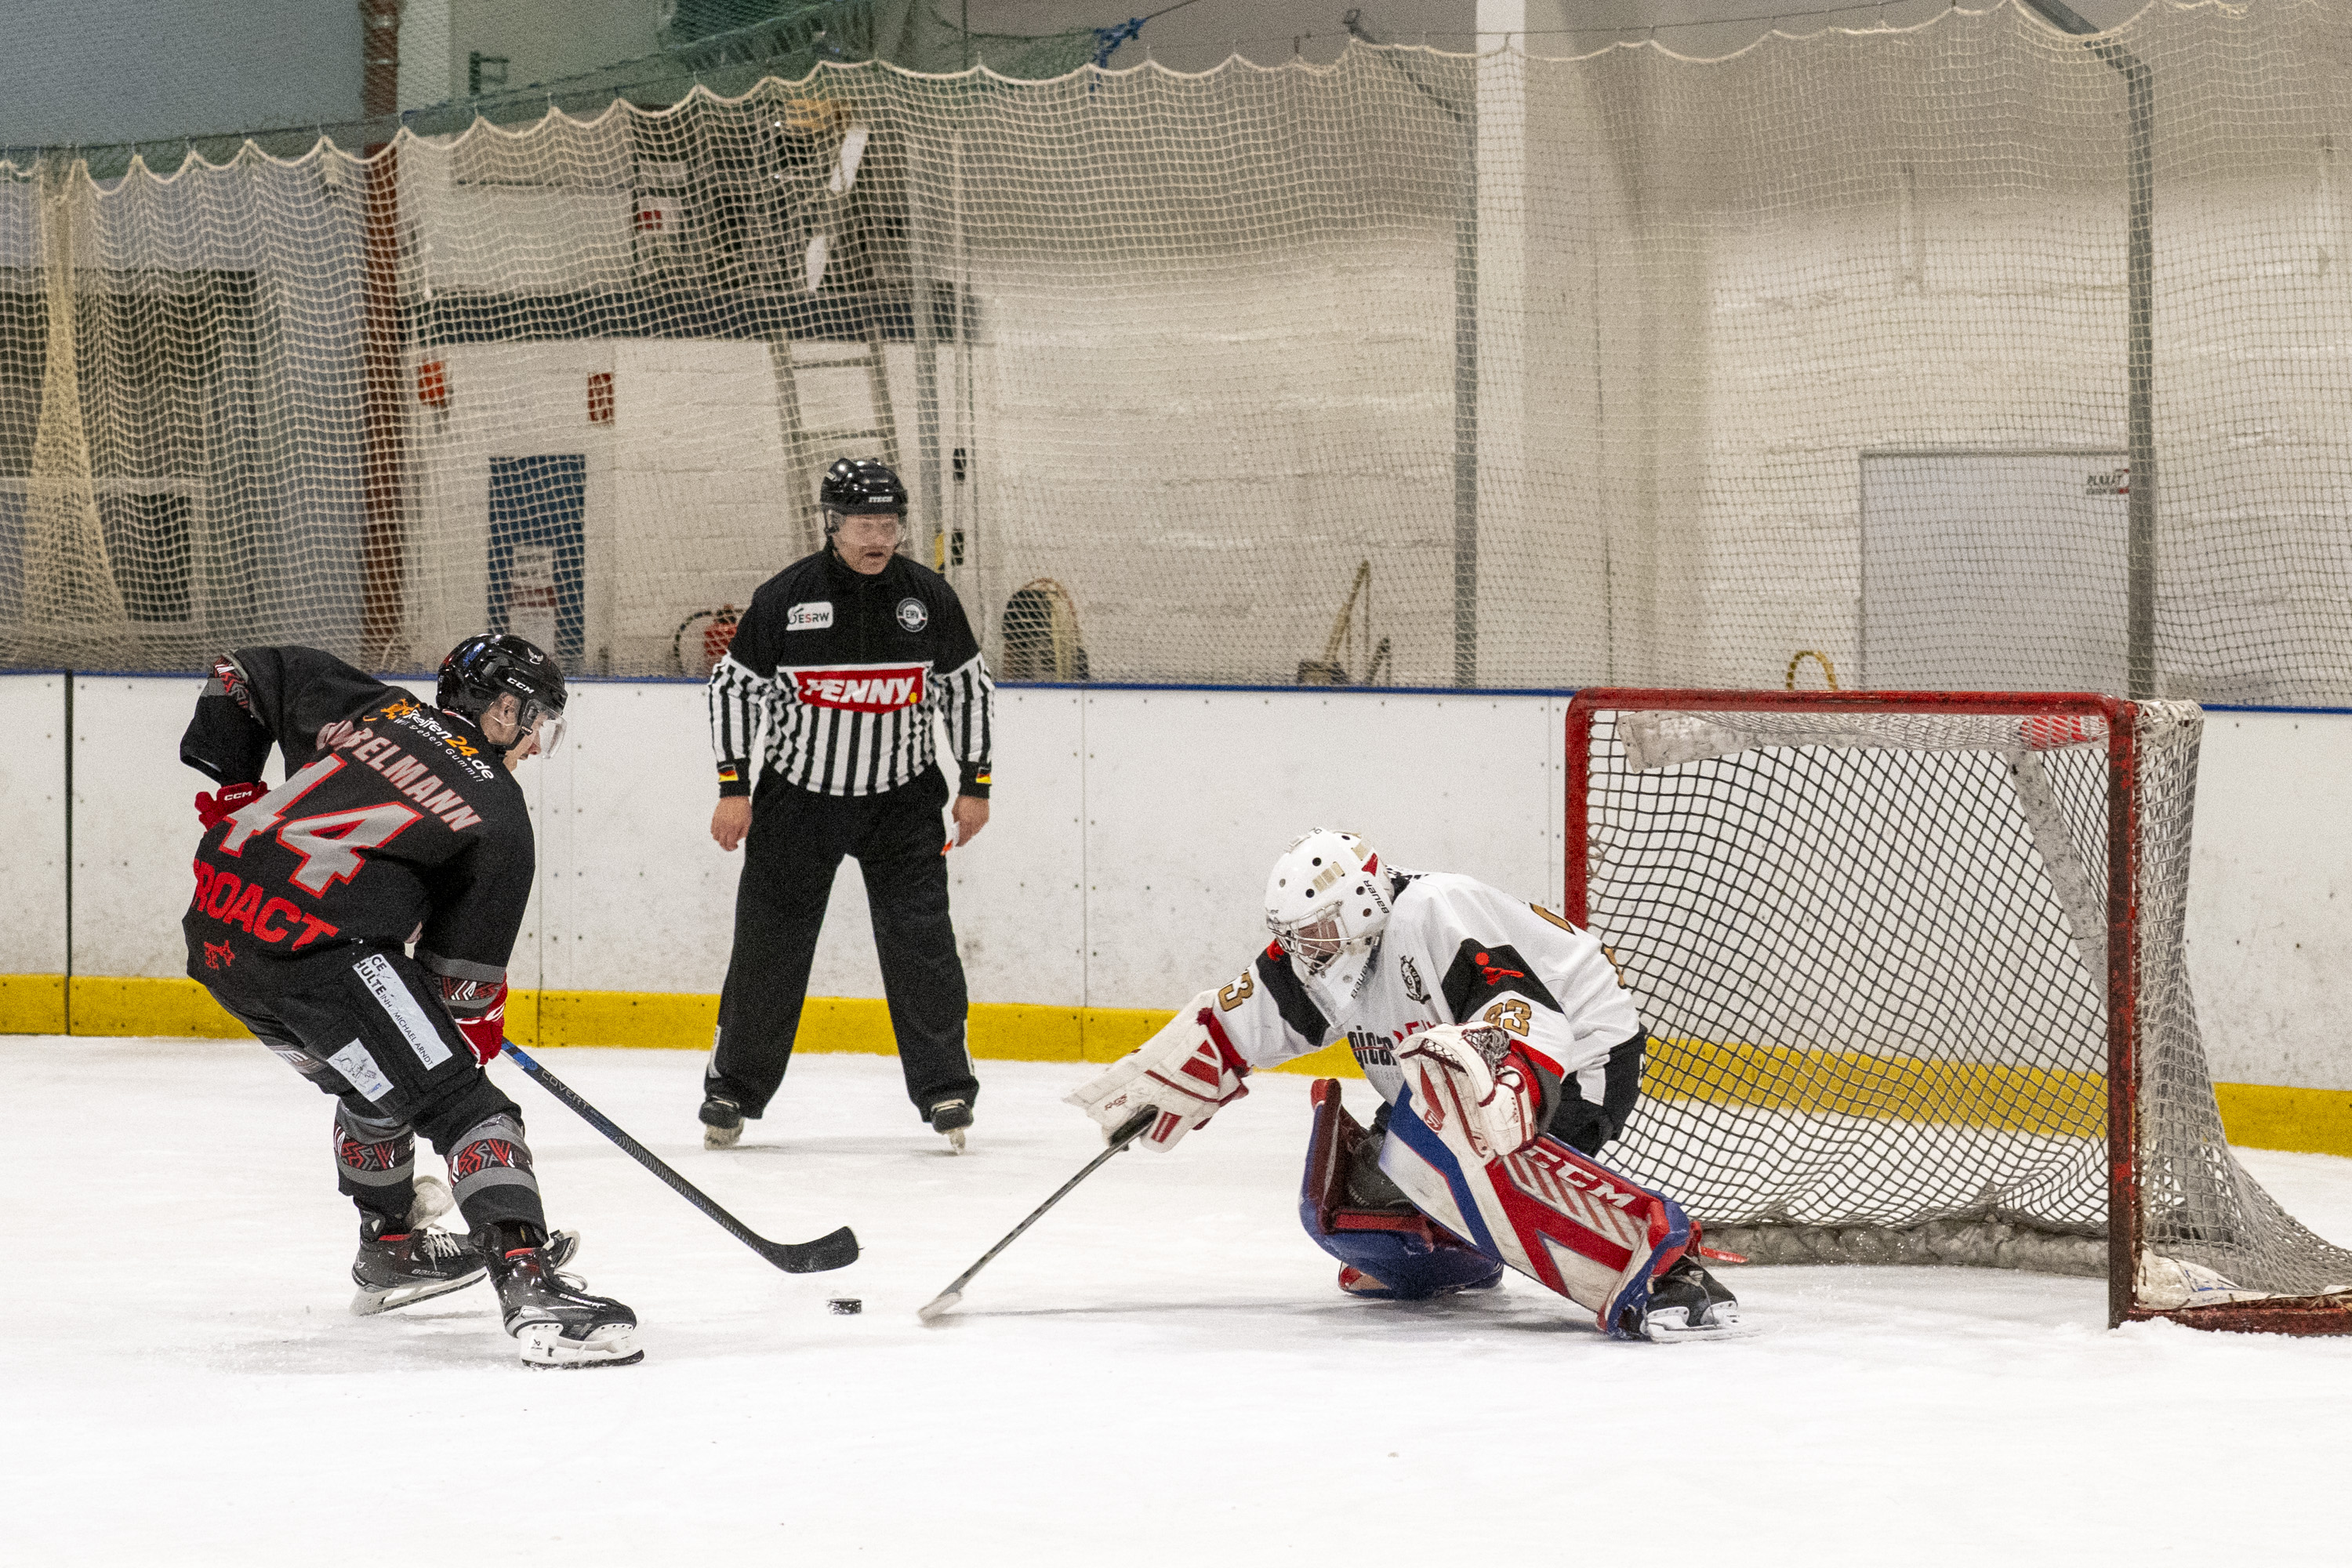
(375, 1162)
(490, 1174)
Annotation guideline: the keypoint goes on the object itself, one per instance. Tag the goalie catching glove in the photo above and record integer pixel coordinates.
(1189, 1071)
(1483, 1093)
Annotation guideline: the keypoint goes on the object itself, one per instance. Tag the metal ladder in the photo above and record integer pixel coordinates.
(819, 222)
(808, 452)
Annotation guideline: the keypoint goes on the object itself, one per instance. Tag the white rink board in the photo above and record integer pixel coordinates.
(134, 823)
(2270, 899)
(1019, 891)
(32, 803)
(1190, 795)
(1129, 832)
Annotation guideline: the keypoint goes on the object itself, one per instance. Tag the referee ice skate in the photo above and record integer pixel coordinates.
(838, 666)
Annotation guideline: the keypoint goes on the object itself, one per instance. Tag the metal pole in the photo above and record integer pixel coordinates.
(2139, 351)
(383, 539)
(924, 289)
(1465, 414)
(1465, 355)
(2140, 668)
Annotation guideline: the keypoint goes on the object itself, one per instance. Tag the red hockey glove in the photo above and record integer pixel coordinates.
(212, 810)
(479, 1011)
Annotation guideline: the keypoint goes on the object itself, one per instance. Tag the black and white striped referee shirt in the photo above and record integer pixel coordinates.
(839, 673)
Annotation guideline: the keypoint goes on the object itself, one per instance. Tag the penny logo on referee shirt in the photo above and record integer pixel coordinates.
(861, 687)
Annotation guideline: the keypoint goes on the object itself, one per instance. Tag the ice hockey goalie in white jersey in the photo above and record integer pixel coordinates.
(1508, 1052)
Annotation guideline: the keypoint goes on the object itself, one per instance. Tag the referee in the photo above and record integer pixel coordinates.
(842, 660)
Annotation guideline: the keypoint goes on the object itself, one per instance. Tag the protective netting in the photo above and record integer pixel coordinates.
(1494, 370)
(1871, 952)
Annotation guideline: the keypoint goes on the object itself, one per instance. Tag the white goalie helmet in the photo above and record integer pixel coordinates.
(1327, 902)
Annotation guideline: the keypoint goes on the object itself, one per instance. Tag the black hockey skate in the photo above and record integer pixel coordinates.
(951, 1117)
(1687, 1302)
(400, 1268)
(723, 1122)
(556, 1321)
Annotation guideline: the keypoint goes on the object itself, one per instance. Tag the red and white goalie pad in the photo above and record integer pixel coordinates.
(1565, 1221)
(1476, 1087)
(1189, 1071)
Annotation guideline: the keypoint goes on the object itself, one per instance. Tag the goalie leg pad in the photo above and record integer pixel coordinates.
(1561, 1218)
(1411, 1259)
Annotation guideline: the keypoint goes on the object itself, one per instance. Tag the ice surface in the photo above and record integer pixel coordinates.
(1161, 1371)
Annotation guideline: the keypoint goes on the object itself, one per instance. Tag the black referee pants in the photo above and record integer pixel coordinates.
(797, 841)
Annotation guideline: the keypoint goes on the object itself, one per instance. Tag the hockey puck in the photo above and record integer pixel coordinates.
(844, 1305)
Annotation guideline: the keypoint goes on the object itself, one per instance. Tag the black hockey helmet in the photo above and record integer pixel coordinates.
(856, 485)
(487, 666)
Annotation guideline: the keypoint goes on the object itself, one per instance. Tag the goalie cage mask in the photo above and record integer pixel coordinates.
(1326, 902)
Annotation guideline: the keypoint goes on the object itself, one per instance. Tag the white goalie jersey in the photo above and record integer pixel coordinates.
(1454, 951)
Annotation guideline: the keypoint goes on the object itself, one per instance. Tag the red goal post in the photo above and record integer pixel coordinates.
(1893, 947)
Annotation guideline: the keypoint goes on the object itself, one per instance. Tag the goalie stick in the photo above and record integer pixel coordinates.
(1127, 1132)
(837, 1250)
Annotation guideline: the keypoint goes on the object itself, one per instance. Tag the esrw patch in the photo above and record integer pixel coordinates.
(814, 616)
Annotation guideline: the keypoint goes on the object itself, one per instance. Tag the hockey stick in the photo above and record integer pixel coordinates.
(837, 1250)
(1129, 1130)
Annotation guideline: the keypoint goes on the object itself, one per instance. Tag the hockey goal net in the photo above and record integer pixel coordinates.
(1914, 966)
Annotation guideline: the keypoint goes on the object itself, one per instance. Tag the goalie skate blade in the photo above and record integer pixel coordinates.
(1671, 1325)
(543, 1346)
(938, 1307)
(368, 1303)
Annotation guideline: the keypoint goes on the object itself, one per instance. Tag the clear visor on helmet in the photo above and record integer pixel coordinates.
(867, 527)
(545, 723)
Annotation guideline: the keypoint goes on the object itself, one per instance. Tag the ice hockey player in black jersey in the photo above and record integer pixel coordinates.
(398, 823)
(1509, 1052)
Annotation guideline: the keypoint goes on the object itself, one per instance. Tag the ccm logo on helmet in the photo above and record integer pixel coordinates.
(862, 688)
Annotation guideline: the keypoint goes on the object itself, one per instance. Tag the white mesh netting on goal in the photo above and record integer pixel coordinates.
(1872, 949)
(1626, 367)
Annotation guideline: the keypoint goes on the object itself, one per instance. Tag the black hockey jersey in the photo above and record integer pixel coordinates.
(845, 669)
(396, 818)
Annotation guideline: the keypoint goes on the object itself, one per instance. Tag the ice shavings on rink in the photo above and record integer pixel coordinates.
(1161, 1371)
